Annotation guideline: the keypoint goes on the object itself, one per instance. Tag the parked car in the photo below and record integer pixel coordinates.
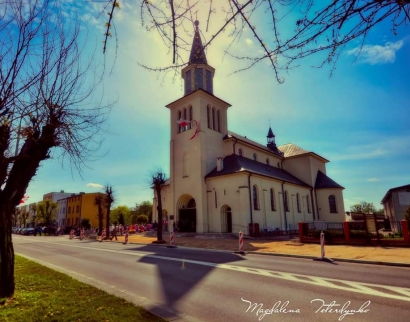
(22, 230)
(29, 231)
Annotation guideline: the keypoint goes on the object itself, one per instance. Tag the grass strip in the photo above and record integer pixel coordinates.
(43, 294)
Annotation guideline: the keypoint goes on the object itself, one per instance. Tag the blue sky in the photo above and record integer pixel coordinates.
(358, 119)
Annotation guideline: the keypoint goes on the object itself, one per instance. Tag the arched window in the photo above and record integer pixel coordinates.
(208, 115)
(298, 202)
(255, 198)
(190, 117)
(332, 204)
(218, 114)
(179, 119)
(286, 201)
(185, 118)
(308, 203)
(240, 152)
(267, 161)
(213, 119)
(272, 200)
(255, 157)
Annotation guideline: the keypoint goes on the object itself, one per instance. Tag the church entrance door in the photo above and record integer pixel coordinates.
(229, 220)
(187, 220)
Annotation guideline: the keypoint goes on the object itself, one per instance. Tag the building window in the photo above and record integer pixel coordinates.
(298, 202)
(255, 198)
(286, 201)
(218, 114)
(308, 203)
(77, 209)
(255, 157)
(272, 200)
(68, 222)
(179, 119)
(213, 119)
(69, 210)
(267, 161)
(190, 117)
(185, 118)
(209, 81)
(199, 80)
(188, 86)
(208, 115)
(240, 152)
(332, 204)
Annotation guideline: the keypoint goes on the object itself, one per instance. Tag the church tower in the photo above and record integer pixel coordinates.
(198, 124)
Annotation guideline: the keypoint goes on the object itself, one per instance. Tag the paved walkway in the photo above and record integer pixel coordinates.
(368, 254)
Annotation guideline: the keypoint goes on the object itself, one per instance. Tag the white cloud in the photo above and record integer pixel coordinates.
(249, 42)
(95, 185)
(377, 54)
(373, 180)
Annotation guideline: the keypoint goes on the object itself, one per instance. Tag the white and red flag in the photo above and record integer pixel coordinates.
(183, 123)
(24, 199)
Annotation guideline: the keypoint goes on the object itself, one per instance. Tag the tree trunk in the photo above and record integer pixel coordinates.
(6, 253)
(107, 224)
(159, 208)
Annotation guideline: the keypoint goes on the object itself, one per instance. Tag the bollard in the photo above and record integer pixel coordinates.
(322, 250)
(82, 234)
(322, 245)
(71, 233)
(171, 240)
(240, 244)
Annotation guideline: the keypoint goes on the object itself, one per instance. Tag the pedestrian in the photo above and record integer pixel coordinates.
(114, 234)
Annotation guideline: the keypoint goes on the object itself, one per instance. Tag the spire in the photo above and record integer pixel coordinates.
(197, 51)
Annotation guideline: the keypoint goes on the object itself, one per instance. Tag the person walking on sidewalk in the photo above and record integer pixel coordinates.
(114, 234)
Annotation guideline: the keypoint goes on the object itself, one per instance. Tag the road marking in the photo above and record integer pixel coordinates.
(345, 285)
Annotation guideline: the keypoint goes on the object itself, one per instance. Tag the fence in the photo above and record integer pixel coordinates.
(367, 231)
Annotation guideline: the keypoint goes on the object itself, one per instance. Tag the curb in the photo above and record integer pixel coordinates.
(346, 260)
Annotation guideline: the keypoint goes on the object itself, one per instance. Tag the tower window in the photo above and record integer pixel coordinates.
(267, 161)
(185, 118)
(208, 116)
(213, 118)
(218, 114)
(209, 81)
(199, 81)
(190, 117)
(188, 82)
(240, 152)
(255, 157)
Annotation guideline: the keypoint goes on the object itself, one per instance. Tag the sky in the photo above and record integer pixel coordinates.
(358, 119)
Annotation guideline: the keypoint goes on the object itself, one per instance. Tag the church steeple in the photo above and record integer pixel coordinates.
(198, 74)
(197, 51)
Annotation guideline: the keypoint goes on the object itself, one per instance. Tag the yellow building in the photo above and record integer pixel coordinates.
(82, 206)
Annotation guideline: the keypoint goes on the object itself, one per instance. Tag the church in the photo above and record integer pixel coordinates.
(221, 181)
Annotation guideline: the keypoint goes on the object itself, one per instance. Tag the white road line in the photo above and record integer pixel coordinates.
(357, 287)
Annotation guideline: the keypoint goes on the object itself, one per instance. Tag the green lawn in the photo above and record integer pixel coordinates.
(46, 295)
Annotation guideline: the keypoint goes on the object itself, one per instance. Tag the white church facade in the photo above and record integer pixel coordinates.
(221, 181)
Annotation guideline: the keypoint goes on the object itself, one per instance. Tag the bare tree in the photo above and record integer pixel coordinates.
(318, 27)
(158, 179)
(109, 200)
(45, 102)
(99, 202)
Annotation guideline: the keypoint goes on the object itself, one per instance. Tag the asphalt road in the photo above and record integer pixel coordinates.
(203, 285)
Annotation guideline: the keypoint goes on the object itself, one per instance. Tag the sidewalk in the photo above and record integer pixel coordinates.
(369, 254)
